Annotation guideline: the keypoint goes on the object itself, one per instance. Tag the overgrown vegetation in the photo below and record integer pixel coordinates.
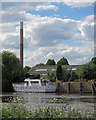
(12, 71)
(17, 109)
(87, 71)
(59, 72)
(51, 76)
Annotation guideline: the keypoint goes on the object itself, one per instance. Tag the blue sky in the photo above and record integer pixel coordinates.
(51, 31)
(65, 11)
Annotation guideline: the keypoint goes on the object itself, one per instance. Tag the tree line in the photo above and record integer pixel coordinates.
(62, 61)
(83, 73)
(12, 70)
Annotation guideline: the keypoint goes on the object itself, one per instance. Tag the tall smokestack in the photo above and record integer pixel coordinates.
(21, 43)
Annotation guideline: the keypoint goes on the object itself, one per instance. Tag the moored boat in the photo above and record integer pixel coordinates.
(35, 85)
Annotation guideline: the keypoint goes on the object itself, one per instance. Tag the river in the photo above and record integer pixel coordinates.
(86, 100)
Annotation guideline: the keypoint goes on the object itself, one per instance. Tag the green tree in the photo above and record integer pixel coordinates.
(52, 76)
(26, 69)
(12, 70)
(34, 76)
(51, 62)
(87, 71)
(63, 61)
(59, 72)
(93, 60)
(66, 74)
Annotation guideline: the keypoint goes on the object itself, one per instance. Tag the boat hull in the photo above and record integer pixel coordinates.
(39, 89)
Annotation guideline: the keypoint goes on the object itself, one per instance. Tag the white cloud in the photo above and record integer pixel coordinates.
(75, 55)
(79, 3)
(48, 34)
(46, 7)
(87, 30)
(89, 18)
(56, 30)
(51, 31)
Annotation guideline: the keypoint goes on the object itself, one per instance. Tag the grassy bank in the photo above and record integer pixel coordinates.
(17, 109)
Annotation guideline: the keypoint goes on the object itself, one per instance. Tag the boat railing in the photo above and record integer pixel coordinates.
(18, 84)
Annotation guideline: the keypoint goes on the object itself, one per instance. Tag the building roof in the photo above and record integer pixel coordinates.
(42, 69)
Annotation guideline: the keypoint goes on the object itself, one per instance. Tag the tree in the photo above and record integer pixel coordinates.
(87, 71)
(93, 60)
(63, 61)
(52, 76)
(68, 74)
(51, 62)
(26, 69)
(12, 70)
(59, 72)
(34, 76)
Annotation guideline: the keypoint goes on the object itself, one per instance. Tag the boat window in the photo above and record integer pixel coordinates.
(34, 82)
(44, 83)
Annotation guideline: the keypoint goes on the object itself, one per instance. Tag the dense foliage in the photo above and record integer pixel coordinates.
(34, 76)
(17, 110)
(63, 61)
(40, 64)
(93, 60)
(68, 75)
(87, 71)
(84, 72)
(52, 76)
(59, 72)
(12, 70)
(26, 69)
(51, 62)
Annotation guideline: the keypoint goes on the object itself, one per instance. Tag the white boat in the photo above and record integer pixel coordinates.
(35, 85)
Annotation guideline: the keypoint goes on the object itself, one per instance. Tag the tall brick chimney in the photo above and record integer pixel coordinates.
(21, 43)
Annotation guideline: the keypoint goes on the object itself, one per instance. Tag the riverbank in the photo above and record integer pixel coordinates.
(75, 87)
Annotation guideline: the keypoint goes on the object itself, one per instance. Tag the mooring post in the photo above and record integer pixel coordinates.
(81, 86)
(57, 87)
(69, 88)
(93, 88)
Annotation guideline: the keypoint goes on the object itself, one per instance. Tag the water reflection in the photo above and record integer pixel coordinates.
(46, 97)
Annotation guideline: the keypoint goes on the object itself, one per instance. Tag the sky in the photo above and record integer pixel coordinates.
(52, 30)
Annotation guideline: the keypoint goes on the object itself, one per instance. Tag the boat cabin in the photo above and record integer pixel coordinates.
(39, 82)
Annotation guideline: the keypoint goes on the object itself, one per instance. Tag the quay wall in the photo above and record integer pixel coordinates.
(74, 87)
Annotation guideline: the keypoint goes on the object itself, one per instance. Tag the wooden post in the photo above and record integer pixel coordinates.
(93, 88)
(81, 86)
(69, 88)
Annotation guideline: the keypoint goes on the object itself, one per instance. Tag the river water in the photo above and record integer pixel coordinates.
(85, 101)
